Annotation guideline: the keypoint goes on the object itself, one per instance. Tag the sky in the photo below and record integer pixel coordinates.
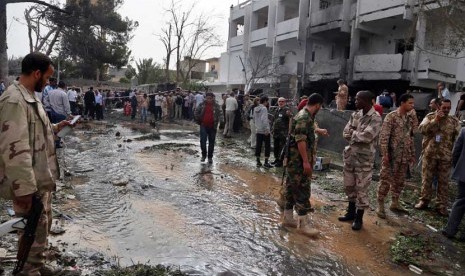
(151, 17)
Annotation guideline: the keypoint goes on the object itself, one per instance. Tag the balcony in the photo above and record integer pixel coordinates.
(374, 10)
(378, 67)
(287, 29)
(326, 19)
(328, 69)
(260, 4)
(439, 68)
(258, 37)
(235, 43)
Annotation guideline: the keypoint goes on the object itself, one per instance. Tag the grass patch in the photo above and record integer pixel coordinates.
(142, 270)
(410, 249)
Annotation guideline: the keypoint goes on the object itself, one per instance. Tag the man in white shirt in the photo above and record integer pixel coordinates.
(98, 105)
(443, 92)
(72, 97)
(158, 103)
(231, 107)
(198, 99)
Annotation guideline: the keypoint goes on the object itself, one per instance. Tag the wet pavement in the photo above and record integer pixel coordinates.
(152, 201)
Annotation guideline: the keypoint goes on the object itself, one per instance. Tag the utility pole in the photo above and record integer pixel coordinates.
(3, 28)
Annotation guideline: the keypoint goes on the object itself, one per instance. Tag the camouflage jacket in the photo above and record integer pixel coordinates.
(361, 131)
(302, 129)
(396, 137)
(281, 122)
(439, 136)
(28, 160)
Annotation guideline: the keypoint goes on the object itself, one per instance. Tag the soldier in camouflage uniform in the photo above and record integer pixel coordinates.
(361, 131)
(28, 163)
(300, 167)
(398, 151)
(439, 130)
(280, 130)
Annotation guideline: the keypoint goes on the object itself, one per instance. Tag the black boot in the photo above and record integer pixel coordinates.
(350, 213)
(358, 222)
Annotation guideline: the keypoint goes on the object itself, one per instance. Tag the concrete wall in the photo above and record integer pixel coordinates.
(236, 75)
(335, 121)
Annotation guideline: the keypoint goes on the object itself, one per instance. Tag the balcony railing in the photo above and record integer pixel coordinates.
(288, 26)
(326, 69)
(236, 41)
(258, 37)
(331, 14)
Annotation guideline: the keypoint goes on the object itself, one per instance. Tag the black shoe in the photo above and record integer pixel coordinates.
(350, 213)
(447, 235)
(278, 164)
(203, 159)
(274, 162)
(259, 164)
(267, 165)
(210, 160)
(358, 222)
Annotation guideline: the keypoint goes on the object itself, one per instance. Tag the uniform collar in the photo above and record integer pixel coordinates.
(28, 97)
(369, 113)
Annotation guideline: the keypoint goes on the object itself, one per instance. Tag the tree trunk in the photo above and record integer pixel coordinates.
(167, 69)
(3, 45)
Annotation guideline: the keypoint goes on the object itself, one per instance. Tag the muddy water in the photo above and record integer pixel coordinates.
(207, 219)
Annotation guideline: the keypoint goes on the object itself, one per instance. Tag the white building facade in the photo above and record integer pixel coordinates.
(318, 41)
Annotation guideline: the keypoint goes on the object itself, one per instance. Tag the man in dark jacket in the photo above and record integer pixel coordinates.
(133, 106)
(89, 101)
(280, 130)
(208, 115)
(458, 209)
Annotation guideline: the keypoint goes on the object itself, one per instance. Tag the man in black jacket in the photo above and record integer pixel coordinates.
(89, 101)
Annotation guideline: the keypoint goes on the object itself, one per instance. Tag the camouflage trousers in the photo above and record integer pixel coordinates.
(356, 184)
(295, 193)
(435, 167)
(36, 258)
(392, 178)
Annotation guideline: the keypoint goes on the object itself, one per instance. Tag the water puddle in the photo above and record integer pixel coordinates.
(207, 219)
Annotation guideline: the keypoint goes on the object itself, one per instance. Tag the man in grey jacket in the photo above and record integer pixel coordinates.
(262, 126)
(458, 209)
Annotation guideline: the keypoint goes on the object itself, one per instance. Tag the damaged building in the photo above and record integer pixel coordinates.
(306, 45)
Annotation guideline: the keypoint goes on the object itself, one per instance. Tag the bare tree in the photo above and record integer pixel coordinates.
(180, 19)
(193, 36)
(198, 40)
(3, 28)
(257, 67)
(447, 21)
(166, 37)
(42, 33)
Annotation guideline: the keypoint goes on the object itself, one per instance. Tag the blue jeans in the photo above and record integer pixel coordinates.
(55, 118)
(143, 115)
(458, 210)
(207, 133)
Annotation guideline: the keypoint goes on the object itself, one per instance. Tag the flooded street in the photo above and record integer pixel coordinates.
(152, 201)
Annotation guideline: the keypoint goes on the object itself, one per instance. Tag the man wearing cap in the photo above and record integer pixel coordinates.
(280, 130)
